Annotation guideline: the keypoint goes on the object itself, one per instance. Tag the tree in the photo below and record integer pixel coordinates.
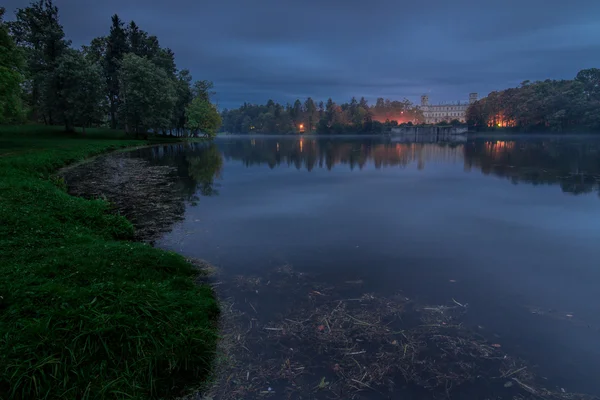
(556, 105)
(11, 76)
(165, 59)
(95, 52)
(590, 78)
(38, 30)
(296, 113)
(116, 47)
(147, 95)
(82, 90)
(203, 89)
(330, 111)
(184, 96)
(202, 116)
(135, 39)
(311, 113)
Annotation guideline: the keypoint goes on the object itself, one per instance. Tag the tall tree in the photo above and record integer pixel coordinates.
(11, 76)
(184, 96)
(82, 90)
(147, 95)
(297, 112)
(165, 59)
(311, 113)
(330, 110)
(203, 89)
(135, 39)
(590, 78)
(116, 48)
(38, 30)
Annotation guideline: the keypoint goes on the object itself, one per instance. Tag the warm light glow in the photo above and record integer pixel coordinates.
(500, 121)
(301, 144)
(301, 126)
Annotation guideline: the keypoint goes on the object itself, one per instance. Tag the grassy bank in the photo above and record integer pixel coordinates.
(85, 313)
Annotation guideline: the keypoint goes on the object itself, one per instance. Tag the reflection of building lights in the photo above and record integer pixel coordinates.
(277, 146)
(301, 144)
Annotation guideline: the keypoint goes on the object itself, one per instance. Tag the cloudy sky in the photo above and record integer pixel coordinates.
(254, 50)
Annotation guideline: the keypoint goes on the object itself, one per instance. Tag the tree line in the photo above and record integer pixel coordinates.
(125, 80)
(556, 105)
(356, 116)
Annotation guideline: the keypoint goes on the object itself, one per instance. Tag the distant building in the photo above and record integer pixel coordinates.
(445, 112)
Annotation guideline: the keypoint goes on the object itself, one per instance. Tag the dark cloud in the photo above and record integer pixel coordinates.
(256, 50)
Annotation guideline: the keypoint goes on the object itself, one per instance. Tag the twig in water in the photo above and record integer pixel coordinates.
(361, 383)
(512, 373)
(462, 305)
(524, 386)
(355, 353)
(358, 320)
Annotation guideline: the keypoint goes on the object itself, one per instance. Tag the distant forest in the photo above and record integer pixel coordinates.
(356, 116)
(558, 106)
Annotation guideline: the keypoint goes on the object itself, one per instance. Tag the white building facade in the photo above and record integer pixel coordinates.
(445, 112)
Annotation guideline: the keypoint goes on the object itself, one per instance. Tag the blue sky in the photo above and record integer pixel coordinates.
(279, 49)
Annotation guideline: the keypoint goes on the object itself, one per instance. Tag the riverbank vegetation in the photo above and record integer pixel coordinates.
(560, 106)
(124, 80)
(356, 116)
(85, 313)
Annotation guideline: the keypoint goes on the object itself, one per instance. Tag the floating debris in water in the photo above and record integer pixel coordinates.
(331, 345)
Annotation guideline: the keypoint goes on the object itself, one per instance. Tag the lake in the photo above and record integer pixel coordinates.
(494, 240)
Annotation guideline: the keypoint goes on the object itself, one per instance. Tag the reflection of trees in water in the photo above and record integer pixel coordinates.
(323, 153)
(204, 167)
(197, 165)
(575, 166)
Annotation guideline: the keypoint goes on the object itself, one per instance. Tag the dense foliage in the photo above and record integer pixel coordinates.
(124, 80)
(549, 105)
(11, 76)
(357, 116)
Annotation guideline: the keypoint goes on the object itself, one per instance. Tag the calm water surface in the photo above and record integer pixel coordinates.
(509, 226)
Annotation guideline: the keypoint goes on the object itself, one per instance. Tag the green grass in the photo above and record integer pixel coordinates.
(85, 313)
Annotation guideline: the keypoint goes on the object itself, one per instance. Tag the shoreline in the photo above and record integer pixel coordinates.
(77, 289)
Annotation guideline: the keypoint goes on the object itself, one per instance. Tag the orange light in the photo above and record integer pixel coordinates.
(301, 126)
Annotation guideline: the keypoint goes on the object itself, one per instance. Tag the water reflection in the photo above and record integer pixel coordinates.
(150, 186)
(312, 153)
(198, 166)
(572, 164)
(408, 222)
